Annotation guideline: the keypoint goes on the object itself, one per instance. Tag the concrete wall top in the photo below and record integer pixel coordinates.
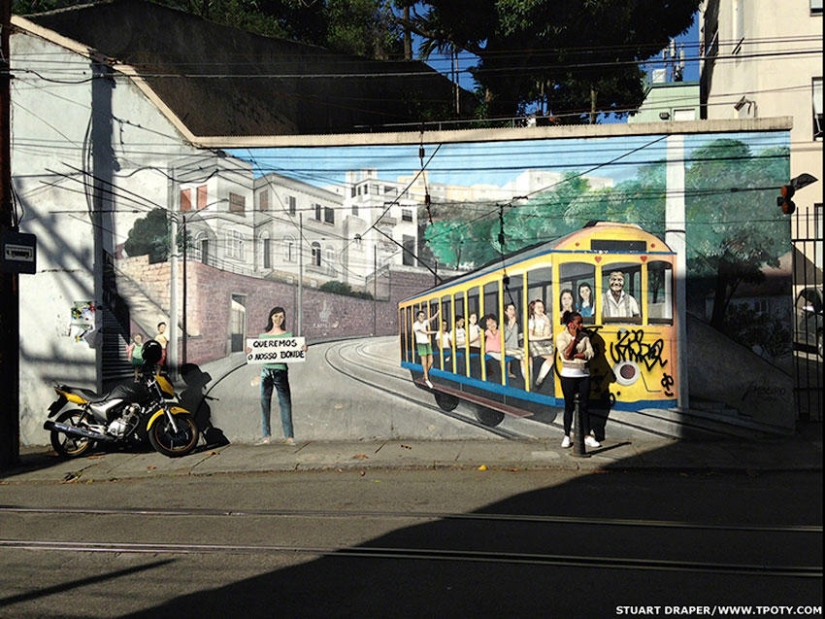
(780, 123)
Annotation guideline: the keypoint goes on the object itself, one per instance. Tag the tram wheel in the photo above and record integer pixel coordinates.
(445, 401)
(488, 416)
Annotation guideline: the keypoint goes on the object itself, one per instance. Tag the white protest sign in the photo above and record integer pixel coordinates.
(275, 350)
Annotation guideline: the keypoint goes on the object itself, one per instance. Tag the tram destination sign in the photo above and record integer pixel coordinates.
(275, 350)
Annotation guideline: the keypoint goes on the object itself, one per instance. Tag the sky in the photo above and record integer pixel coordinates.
(493, 163)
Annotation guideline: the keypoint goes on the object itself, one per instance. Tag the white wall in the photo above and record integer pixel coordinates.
(51, 116)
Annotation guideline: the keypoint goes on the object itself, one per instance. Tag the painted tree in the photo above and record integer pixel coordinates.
(150, 236)
(734, 229)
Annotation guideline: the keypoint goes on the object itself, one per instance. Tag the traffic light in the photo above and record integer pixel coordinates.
(784, 200)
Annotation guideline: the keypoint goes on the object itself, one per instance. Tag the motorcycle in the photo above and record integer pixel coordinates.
(127, 415)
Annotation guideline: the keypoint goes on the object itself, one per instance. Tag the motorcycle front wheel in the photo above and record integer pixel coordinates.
(67, 445)
(171, 443)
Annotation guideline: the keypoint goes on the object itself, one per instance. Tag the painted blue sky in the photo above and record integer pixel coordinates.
(491, 163)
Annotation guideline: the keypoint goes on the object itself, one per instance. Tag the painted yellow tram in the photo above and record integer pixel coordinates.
(620, 277)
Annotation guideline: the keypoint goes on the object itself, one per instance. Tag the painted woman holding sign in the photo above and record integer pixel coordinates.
(276, 375)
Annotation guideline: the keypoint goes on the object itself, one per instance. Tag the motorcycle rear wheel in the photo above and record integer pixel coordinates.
(67, 445)
(170, 443)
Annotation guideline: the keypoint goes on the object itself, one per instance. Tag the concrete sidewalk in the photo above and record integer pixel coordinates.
(802, 452)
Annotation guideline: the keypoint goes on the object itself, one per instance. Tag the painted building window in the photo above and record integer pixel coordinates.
(186, 200)
(237, 203)
(234, 245)
(317, 212)
(406, 214)
(266, 248)
(203, 194)
(292, 205)
(329, 215)
(316, 253)
(289, 249)
(330, 259)
(408, 257)
(198, 243)
(263, 200)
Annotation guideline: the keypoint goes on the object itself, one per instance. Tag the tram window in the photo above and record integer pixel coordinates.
(492, 310)
(491, 300)
(474, 331)
(577, 285)
(621, 285)
(660, 292)
(443, 342)
(539, 288)
(406, 334)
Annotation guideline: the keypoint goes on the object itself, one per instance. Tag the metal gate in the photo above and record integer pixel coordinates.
(806, 236)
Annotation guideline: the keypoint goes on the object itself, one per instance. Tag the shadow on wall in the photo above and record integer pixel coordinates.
(728, 377)
(195, 399)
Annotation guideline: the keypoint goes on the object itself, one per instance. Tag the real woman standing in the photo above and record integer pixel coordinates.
(575, 351)
(276, 375)
(540, 336)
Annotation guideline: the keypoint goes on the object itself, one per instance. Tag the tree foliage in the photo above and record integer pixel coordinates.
(569, 56)
(365, 28)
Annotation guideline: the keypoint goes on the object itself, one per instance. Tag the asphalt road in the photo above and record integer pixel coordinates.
(381, 543)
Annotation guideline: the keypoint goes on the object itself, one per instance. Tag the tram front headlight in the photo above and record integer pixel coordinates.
(626, 373)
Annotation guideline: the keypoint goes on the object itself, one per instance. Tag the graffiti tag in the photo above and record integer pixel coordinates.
(630, 346)
(667, 383)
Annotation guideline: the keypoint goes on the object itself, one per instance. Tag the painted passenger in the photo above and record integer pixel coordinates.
(276, 375)
(134, 352)
(566, 302)
(492, 337)
(474, 331)
(575, 353)
(422, 332)
(163, 340)
(443, 338)
(512, 347)
(585, 305)
(540, 337)
(616, 303)
(459, 334)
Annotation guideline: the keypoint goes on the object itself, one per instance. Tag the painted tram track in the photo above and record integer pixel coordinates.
(353, 360)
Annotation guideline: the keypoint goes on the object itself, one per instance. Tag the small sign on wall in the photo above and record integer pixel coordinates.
(18, 253)
(276, 350)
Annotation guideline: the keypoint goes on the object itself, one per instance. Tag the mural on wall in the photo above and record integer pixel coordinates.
(338, 220)
(340, 236)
